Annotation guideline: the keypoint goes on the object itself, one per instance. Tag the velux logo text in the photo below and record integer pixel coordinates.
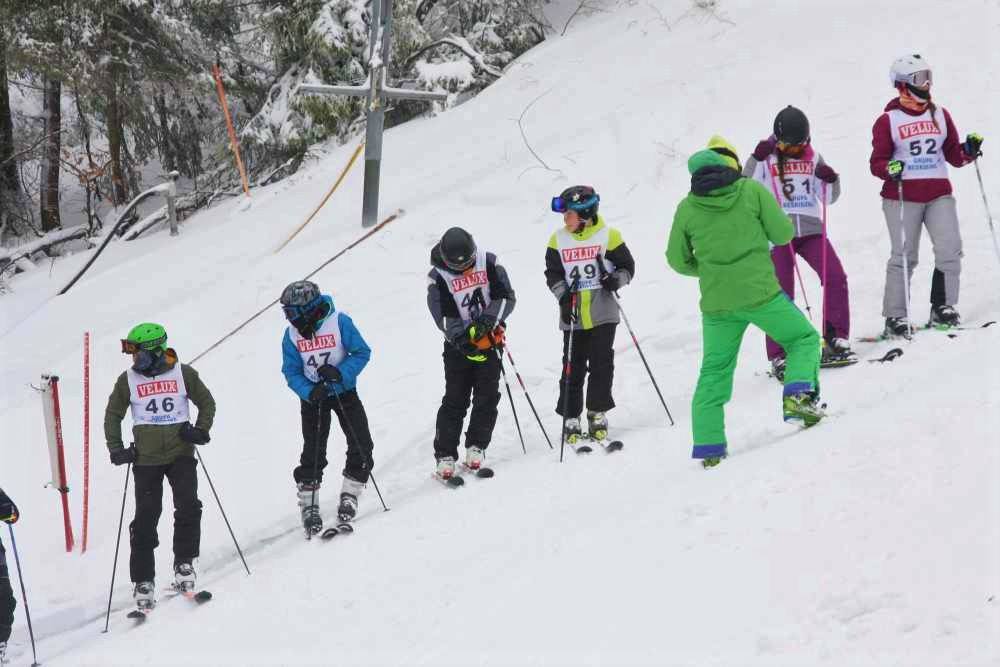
(317, 343)
(471, 280)
(158, 387)
(794, 168)
(583, 254)
(919, 127)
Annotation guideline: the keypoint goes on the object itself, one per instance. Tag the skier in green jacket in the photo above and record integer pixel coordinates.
(721, 234)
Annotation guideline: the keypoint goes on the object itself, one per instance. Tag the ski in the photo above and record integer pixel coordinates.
(609, 446)
(342, 528)
(481, 472)
(452, 482)
(949, 331)
(199, 597)
(138, 615)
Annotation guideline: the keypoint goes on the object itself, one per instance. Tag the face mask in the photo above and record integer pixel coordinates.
(145, 361)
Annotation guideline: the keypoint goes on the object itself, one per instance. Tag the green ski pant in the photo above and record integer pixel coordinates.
(722, 334)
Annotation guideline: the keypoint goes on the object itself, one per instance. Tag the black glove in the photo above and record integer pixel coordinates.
(566, 312)
(8, 510)
(484, 324)
(318, 394)
(193, 435)
(973, 144)
(464, 344)
(330, 373)
(611, 281)
(123, 455)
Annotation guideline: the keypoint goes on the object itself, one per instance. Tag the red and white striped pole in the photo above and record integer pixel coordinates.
(57, 455)
(86, 438)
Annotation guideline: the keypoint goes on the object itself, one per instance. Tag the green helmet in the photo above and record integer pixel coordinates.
(148, 336)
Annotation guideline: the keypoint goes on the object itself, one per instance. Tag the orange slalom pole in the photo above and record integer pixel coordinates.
(217, 73)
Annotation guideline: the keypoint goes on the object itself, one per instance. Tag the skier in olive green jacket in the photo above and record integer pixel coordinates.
(720, 235)
(157, 389)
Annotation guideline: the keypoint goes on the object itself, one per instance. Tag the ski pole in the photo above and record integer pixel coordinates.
(826, 326)
(118, 543)
(531, 403)
(24, 595)
(368, 460)
(315, 475)
(906, 263)
(221, 511)
(642, 356)
(791, 249)
(567, 369)
(986, 205)
(510, 396)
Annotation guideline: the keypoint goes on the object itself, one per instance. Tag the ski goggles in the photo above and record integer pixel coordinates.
(131, 347)
(560, 205)
(792, 150)
(293, 313)
(920, 79)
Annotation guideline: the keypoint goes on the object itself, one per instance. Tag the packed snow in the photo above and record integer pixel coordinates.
(872, 539)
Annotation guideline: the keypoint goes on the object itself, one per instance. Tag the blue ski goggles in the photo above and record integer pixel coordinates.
(293, 313)
(560, 205)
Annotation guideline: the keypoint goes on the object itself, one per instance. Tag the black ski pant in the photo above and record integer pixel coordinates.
(183, 477)
(7, 601)
(593, 352)
(464, 378)
(316, 431)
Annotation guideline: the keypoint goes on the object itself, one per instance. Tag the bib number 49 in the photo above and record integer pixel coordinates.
(588, 272)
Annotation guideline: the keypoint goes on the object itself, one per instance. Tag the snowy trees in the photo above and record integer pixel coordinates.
(97, 96)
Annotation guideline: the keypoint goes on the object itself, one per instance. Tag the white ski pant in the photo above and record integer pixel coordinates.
(941, 219)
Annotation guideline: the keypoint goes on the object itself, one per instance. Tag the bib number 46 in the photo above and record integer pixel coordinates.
(166, 404)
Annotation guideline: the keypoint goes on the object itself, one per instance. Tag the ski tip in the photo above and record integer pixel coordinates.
(137, 615)
(455, 481)
(484, 473)
(584, 449)
(202, 596)
(615, 446)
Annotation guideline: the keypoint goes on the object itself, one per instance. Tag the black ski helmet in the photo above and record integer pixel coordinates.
(583, 199)
(300, 293)
(791, 126)
(458, 250)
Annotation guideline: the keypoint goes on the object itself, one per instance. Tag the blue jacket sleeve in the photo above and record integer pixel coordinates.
(358, 352)
(291, 367)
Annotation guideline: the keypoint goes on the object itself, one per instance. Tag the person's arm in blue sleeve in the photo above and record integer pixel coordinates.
(291, 368)
(358, 352)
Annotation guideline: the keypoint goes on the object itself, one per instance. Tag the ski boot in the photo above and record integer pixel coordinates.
(184, 577)
(474, 457)
(3, 653)
(944, 317)
(837, 352)
(711, 461)
(897, 327)
(571, 430)
(349, 494)
(308, 492)
(803, 407)
(445, 468)
(145, 595)
(597, 425)
(778, 369)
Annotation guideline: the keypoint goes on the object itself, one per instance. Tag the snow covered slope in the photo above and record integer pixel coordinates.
(873, 539)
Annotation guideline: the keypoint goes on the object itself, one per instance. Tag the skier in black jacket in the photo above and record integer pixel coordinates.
(8, 514)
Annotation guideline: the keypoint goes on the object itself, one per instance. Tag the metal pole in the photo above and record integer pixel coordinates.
(222, 511)
(986, 205)
(506, 382)
(568, 370)
(118, 543)
(24, 595)
(375, 110)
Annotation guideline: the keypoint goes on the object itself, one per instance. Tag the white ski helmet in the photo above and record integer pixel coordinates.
(912, 70)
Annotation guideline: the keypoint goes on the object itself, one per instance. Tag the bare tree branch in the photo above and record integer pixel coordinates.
(520, 126)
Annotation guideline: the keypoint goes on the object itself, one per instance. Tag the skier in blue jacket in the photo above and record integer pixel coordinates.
(322, 355)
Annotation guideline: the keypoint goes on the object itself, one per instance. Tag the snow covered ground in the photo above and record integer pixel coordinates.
(873, 539)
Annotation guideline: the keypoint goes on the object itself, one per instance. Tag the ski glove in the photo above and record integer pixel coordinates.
(764, 149)
(895, 170)
(973, 144)
(330, 373)
(463, 343)
(611, 282)
(123, 455)
(318, 394)
(193, 435)
(482, 326)
(8, 510)
(825, 173)
(566, 311)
